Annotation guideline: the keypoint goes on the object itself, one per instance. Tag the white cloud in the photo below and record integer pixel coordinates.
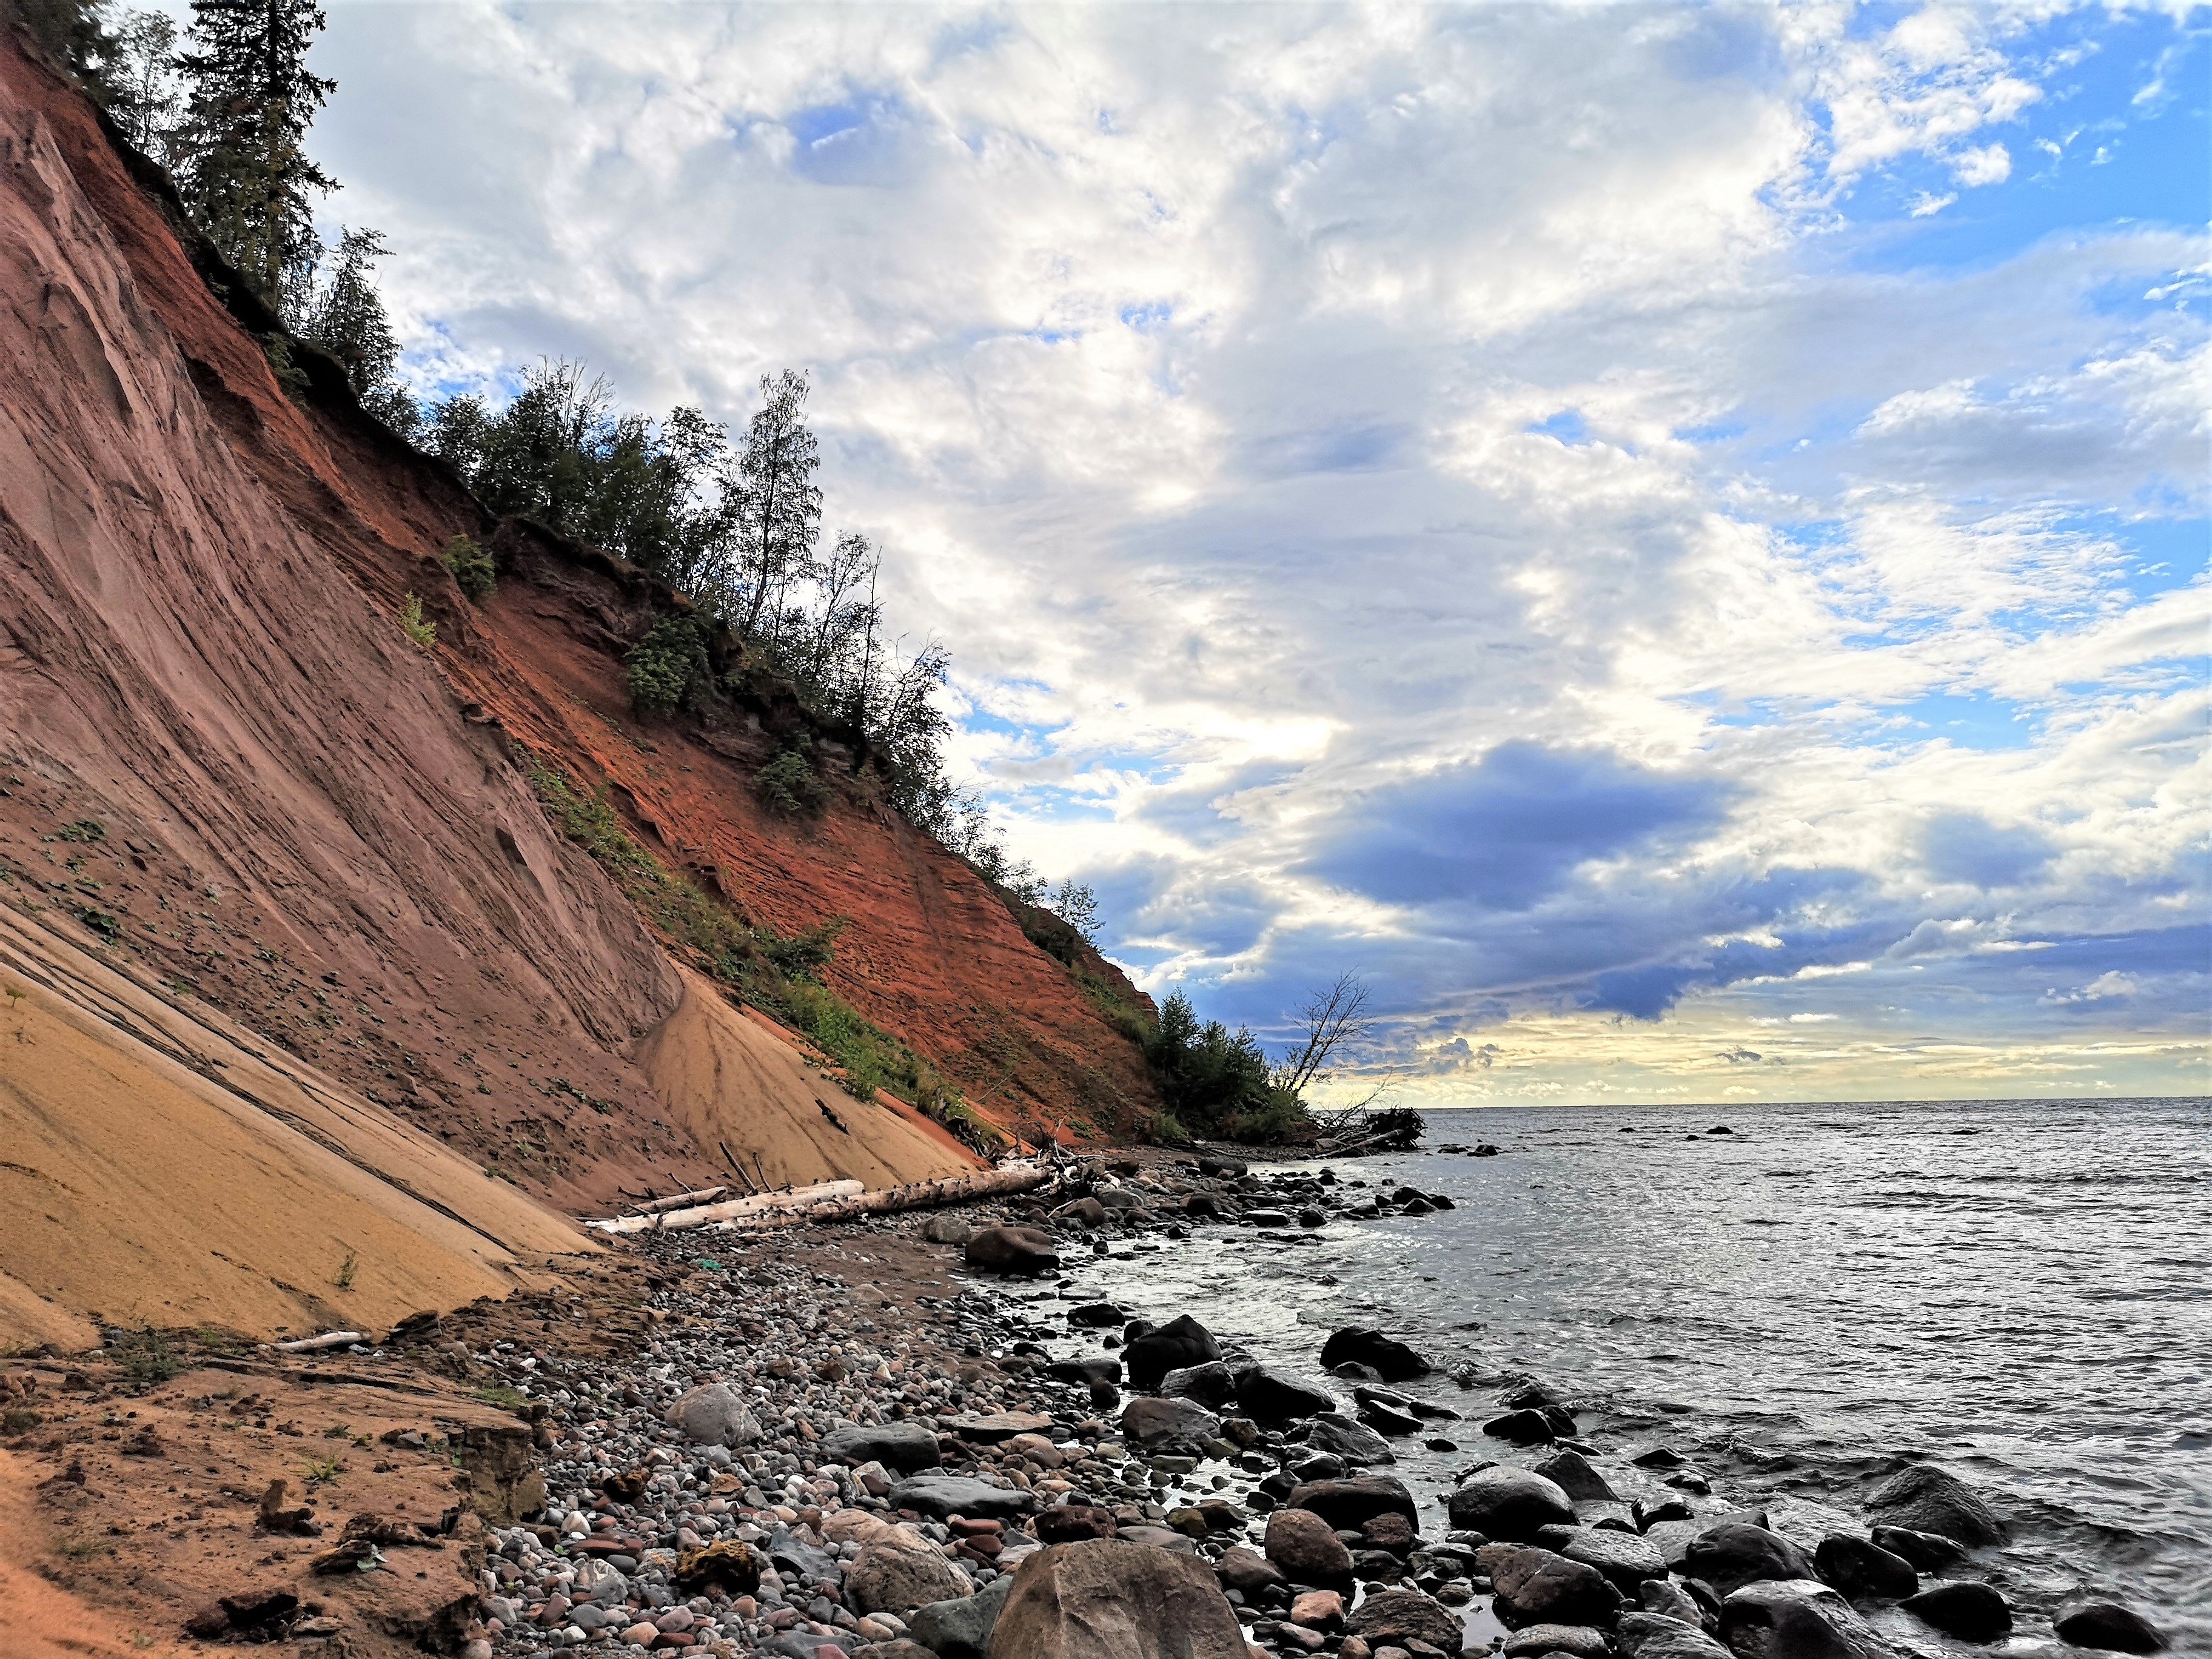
(1284, 415)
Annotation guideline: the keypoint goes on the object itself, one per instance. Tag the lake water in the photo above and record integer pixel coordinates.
(2020, 1291)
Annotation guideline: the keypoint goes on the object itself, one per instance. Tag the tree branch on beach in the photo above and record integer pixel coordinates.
(1330, 1019)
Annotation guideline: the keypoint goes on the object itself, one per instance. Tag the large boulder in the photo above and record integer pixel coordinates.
(711, 1415)
(1860, 1568)
(1508, 1504)
(1355, 1442)
(1249, 1573)
(905, 1447)
(1389, 1359)
(1209, 1384)
(887, 1579)
(1971, 1612)
(1268, 1394)
(1012, 1251)
(1622, 1557)
(1796, 1619)
(1103, 1600)
(1169, 1424)
(961, 1629)
(1307, 1550)
(1930, 1499)
(938, 1496)
(1181, 1343)
(1731, 1555)
(2108, 1625)
(1389, 1617)
(1537, 1587)
(1929, 1551)
(1658, 1635)
(1350, 1503)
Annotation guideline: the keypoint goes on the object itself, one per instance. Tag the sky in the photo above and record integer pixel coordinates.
(1672, 539)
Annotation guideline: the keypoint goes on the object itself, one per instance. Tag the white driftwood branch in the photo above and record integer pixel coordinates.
(317, 1344)
(730, 1209)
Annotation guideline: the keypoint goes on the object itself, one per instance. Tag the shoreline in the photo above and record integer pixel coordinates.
(874, 1338)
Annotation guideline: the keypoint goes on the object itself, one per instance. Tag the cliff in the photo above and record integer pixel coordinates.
(229, 778)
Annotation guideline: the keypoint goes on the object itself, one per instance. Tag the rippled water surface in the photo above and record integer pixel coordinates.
(2021, 1292)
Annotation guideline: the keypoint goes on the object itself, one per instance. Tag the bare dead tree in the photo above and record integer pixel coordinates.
(1330, 1019)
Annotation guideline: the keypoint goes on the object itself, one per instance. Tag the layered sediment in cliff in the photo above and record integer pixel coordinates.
(227, 774)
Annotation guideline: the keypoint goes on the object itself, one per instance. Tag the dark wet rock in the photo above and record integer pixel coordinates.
(1928, 1552)
(1508, 1505)
(1012, 1251)
(1860, 1568)
(1622, 1557)
(1796, 1619)
(1389, 1531)
(961, 1629)
(1571, 1472)
(1083, 1212)
(1103, 1315)
(1268, 1393)
(1389, 1419)
(1731, 1555)
(1658, 1457)
(1097, 1368)
(938, 1496)
(1391, 1360)
(905, 1447)
(1537, 1586)
(1391, 1618)
(1332, 1432)
(1176, 1346)
(1108, 1601)
(1210, 1384)
(1065, 1524)
(1221, 1169)
(1526, 1428)
(2108, 1625)
(1248, 1573)
(1930, 1499)
(1661, 1636)
(1576, 1641)
(1971, 1612)
(1669, 1598)
(1351, 1504)
(1305, 1547)
(1170, 1425)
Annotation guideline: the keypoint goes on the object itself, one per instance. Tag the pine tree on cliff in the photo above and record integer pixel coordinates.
(246, 178)
(343, 313)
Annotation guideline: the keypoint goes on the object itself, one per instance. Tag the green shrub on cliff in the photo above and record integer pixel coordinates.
(668, 668)
(472, 566)
(1215, 1081)
(789, 784)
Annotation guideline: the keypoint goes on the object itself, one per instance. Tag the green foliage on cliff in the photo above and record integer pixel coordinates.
(789, 784)
(668, 668)
(472, 567)
(1214, 1081)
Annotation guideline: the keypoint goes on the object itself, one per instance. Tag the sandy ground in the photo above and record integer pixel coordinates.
(138, 1190)
(733, 1083)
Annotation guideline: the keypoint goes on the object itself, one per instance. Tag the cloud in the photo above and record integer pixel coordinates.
(1550, 514)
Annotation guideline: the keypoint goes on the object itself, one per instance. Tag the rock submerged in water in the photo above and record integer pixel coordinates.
(2105, 1623)
(1971, 1612)
(1860, 1568)
(1351, 1502)
(1268, 1394)
(1332, 1432)
(1928, 1499)
(1104, 1600)
(1508, 1504)
(1391, 1361)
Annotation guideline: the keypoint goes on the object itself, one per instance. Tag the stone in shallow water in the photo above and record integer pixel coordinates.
(1537, 1587)
(1268, 1393)
(1731, 1555)
(1655, 1636)
(1579, 1641)
(1784, 1619)
(1353, 1502)
(1391, 1617)
(1332, 1432)
(1508, 1504)
(1859, 1568)
(1305, 1549)
(1622, 1557)
(1571, 1472)
(1973, 1613)
(1391, 1359)
(1175, 1345)
(1930, 1499)
(2109, 1624)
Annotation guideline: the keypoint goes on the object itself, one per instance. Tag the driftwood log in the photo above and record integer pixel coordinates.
(730, 1209)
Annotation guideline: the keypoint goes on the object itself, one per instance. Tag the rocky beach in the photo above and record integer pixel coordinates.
(929, 1436)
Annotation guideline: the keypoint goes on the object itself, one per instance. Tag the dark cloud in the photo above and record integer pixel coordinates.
(1506, 833)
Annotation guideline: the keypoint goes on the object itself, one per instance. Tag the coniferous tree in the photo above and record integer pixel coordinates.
(247, 177)
(341, 313)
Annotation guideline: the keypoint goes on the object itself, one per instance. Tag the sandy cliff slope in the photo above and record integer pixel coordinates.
(226, 772)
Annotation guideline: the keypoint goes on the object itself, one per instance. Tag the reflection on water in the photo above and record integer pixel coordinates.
(2023, 1291)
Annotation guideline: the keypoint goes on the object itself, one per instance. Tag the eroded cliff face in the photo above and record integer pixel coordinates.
(289, 811)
